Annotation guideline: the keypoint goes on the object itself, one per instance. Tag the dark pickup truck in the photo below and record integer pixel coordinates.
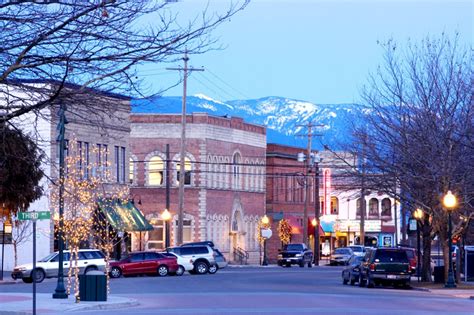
(295, 254)
(385, 266)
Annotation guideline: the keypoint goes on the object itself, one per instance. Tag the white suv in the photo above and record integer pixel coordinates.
(89, 259)
(202, 257)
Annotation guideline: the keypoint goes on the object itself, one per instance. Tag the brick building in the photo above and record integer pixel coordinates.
(339, 221)
(97, 121)
(224, 182)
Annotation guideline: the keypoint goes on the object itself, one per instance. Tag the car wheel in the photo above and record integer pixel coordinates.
(162, 271)
(310, 264)
(90, 268)
(302, 264)
(201, 267)
(180, 271)
(361, 281)
(353, 281)
(344, 281)
(213, 269)
(115, 272)
(27, 280)
(288, 265)
(370, 282)
(40, 275)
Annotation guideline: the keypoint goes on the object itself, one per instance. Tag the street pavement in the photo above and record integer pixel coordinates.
(243, 290)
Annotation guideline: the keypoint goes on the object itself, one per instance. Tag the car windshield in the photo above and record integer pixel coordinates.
(296, 247)
(358, 249)
(342, 251)
(47, 258)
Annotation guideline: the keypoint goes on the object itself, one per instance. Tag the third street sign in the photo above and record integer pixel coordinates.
(38, 215)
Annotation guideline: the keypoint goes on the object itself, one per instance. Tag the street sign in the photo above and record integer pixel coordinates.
(37, 215)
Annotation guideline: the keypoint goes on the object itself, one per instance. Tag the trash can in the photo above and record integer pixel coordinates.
(93, 286)
(438, 274)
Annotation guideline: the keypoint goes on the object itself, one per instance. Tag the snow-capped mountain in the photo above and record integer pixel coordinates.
(285, 119)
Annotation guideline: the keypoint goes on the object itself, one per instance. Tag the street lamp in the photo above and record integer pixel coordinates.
(265, 222)
(418, 214)
(7, 229)
(450, 202)
(314, 223)
(166, 216)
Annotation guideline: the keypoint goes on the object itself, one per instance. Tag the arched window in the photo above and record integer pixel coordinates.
(386, 208)
(187, 171)
(334, 205)
(236, 171)
(155, 171)
(373, 208)
(359, 207)
(131, 172)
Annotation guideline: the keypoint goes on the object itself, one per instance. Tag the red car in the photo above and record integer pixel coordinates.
(144, 263)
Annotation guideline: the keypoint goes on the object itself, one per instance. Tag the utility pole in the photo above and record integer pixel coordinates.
(185, 70)
(362, 197)
(308, 162)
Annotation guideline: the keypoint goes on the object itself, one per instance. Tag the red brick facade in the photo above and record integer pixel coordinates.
(226, 195)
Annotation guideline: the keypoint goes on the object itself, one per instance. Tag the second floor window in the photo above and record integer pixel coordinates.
(155, 171)
(187, 171)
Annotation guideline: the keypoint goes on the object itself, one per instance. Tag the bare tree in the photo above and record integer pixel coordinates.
(21, 233)
(419, 132)
(96, 45)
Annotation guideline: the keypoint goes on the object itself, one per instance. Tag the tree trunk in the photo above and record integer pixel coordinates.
(426, 258)
(15, 252)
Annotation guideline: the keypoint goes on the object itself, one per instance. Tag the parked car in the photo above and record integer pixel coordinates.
(89, 259)
(358, 250)
(203, 256)
(385, 266)
(184, 264)
(351, 272)
(412, 258)
(144, 263)
(340, 256)
(295, 254)
(221, 262)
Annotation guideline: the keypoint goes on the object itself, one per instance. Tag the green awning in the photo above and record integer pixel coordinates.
(124, 216)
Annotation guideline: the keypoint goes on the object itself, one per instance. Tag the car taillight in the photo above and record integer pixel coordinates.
(454, 254)
(372, 267)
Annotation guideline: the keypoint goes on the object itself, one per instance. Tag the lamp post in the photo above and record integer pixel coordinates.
(265, 222)
(60, 291)
(450, 202)
(315, 225)
(7, 229)
(166, 216)
(418, 214)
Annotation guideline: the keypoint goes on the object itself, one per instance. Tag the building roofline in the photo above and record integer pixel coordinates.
(71, 86)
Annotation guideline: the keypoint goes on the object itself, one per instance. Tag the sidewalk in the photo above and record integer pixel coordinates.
(22, 303)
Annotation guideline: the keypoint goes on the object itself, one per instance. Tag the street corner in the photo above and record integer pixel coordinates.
(21, 303)
(113, 302)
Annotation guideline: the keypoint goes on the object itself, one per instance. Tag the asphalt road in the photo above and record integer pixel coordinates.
(271, 290)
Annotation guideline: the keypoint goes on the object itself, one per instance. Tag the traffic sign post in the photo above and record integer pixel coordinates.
(34, 216)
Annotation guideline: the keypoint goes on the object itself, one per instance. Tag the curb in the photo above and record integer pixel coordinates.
(102, 306)
(4, 282)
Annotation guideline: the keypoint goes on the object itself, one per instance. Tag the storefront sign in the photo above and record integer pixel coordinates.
(354, 225)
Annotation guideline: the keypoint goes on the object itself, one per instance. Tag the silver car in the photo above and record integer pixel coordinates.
(89, 259)
(341, 256)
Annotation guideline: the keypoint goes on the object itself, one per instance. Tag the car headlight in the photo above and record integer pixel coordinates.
(298, 255)
(280, 256)
(21, 268)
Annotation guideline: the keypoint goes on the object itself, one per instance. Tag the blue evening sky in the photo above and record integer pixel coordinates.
(313, 50)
